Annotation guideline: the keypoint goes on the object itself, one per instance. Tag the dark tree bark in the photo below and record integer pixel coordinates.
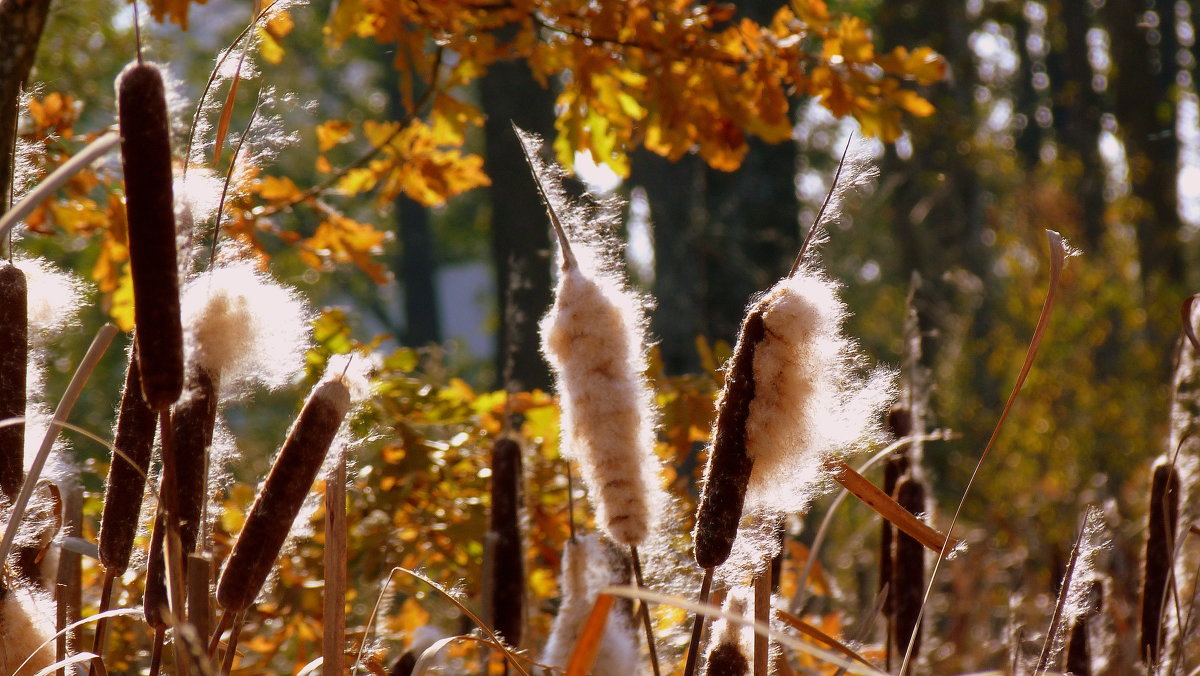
(1077, 108)
(1029, 137)
(521, 252)
(1143, 58)
(680, 275)
(21, 24)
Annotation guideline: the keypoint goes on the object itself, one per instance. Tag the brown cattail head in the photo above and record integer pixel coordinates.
(154, 599)
(127, 473)
(282, 495)
(149, 203)
(14, 362)
(1160, 556)
(507, 593)
(908, 569)
(192, 422)
(726, 659)
(894, 467)
(1079, 661)
(899, 421)
(728, 471)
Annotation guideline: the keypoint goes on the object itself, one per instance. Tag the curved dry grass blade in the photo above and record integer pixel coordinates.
(429, 656)
(508, 654)
(559, 231)
(212, 254)
(1056, 618)
(815, 633)
(792, 642)
(99, 346)
(1058, 259)
(590, 637)
(92, 152)
(888, 508)
(1188, 328)
(97, 664)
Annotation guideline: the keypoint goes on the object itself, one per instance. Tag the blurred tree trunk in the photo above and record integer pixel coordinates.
(1144, 71)
(521, 250)
(1028, 137)
(21, 24)
(416, 265)
(936, 208)
(1077, 108)
(681, 275)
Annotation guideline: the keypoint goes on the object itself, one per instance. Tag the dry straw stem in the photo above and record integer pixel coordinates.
(1059, 252)
(889, 508)
(507, 582)
(279, 501)
(49, 185)
(1162, 520)
(334, 604)
(96, 350)
(908, 570)
(14, 363)
(150, 207)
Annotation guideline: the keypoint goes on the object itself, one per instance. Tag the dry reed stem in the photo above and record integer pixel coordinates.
(693, 654)
(908, 570)
(762, 613)
(333, 635)
(506, 581)
(126, 483)
(283, 493)
(888, 508)
(49, 185)
(1162, 519)
(814, 632)
(150, 208)
(644, 610)
(729, 464)
(199, 609)
(14, 364)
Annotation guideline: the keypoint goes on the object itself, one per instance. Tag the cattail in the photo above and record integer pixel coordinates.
(1160, 556)
(790, 400)
(727, 659)
(149, 201)
(593, 338)
(730, 644)
(127, 473)
(908, 570)
(26, 627)
(507, 592)
(589, 565)
(155, 599)
(282, 495)
(896, 466)
(192, 422)
(14, 357)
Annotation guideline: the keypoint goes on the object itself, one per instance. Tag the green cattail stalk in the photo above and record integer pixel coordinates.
(282, 495)
(1160, 556)
(149, 202)
(14, 360)
(507, 584)
(908, 570)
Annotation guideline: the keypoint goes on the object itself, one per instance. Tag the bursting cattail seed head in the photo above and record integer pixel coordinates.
(14, 360)
(282, 495)
(149, 202)
(594, 338)
(127, 473)
(26, 623)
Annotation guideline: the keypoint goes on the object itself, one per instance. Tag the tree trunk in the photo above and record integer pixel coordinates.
(21, 24)
(521, 250)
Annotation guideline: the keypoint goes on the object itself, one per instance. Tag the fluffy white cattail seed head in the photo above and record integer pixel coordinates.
(26, 624)
(244, 328)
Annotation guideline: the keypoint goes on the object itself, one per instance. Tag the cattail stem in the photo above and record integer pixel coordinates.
(14, 364)
(693, 654)
(160, 636)
(762, 614)
(231, 650)
(105, 604)
(199, 575)
(227, 618)
(334, 619)
(645, 609)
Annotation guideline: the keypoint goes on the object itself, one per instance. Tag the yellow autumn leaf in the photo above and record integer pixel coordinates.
(330, 133)
(277, 188)
(121, 307)
(269, 47)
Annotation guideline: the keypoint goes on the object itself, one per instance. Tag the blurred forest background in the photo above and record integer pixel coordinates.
(1079, 116)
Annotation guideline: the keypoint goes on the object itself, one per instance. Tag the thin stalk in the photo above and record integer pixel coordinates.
(160, 636)
(762, 614)
(821, 214)
(92, 152)
(645, 609)
(227, 618)
(693, 654)
(105, 604)
(231, 651)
